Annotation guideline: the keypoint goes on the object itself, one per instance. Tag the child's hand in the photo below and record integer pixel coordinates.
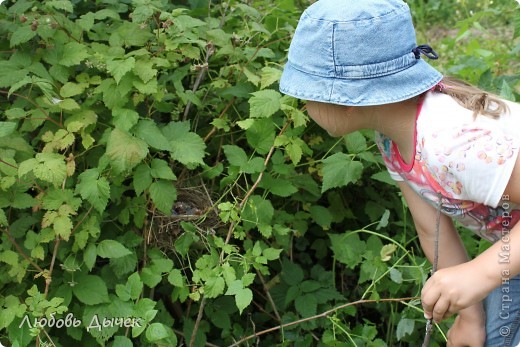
(468, 330)
(452, 289)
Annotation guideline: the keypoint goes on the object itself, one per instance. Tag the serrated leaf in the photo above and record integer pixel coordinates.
(268, 76)
(134, 285)
(49, 167)
(187, 147)
(405, 327)
(355, 142)
(91, 290)
(264, 103)
(260, 135)
(71, 89)
(73, 54)
(142, 178)
(119, 68)
(321, 215)
(175, 278)
(235, 155)
(148, 131)
(94, 189)
(306, 305)
(347, 248)
(156, 331)
(243, 298)
(124, 119)
(112, 249)
(163, 194)
(161, 169)
(124, 150)
(214, 287)
(145, 70)
(65, 5)
(7, 128)
(89, 256)
(339, 170)
(21, 35)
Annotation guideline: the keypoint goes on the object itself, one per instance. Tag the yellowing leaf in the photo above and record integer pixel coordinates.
(124, 150)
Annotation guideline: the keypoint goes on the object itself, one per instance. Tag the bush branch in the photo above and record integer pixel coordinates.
(320, 315)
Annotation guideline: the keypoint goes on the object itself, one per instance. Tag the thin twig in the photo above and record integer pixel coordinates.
(36, 105)
(48, 278)
(22, 253)
(254, 186)
(320, 315)
(269, 297)
(197, 322)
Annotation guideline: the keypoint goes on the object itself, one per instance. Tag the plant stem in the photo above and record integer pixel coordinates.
(320, 315)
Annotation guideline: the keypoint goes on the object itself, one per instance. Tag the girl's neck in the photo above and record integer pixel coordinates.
(397, 121)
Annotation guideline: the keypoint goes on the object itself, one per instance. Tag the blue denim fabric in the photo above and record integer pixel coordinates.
(359, 53)
(503, 315)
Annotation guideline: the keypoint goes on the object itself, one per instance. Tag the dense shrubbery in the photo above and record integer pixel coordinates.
(150, 170)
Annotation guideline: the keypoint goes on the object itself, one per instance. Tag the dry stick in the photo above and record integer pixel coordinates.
(48, 278)
(257, 182)
(36, 105)
(269, 297)
(22, 253)
(210, 49)
(320, 315)
(197, 322)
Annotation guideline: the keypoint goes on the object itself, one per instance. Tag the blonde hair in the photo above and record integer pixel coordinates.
(472, 98)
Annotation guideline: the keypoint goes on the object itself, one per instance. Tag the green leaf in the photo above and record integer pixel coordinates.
(161, 169)
(356, 142)
(119, 68)
(156, 331)
(306, 305)
(339, 170)
(269, 75)
(112, 249)
(260, 135)
(142, 178)
(147, 130)
(124, 150)
(7, 128)
(94, 189)
(73, 54)
(235, 155)
(145, 70)
(175, 278)
(321, 215)
(264, 103)
(49, 167)
(214, 287)
(163, 194)
(124, 119)
(405, 327)
(22, 35)
(292, 273)
(187, 147)
(89, 256)
(71, 89)
(122, 341)
(134, 285)
(243, 298)
(347, 248)
(91, 290)
(65, 5)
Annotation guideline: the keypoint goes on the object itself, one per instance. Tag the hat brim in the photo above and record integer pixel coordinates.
(388, 89)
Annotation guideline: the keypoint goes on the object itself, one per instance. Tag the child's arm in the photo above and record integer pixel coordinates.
(469, 328)
(450, 290)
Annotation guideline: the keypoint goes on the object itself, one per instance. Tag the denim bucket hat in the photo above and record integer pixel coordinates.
(357, 53)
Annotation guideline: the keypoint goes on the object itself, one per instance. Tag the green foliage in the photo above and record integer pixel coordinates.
(157, 190)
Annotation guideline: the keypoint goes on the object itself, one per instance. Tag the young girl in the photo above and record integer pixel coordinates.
(447, 144)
